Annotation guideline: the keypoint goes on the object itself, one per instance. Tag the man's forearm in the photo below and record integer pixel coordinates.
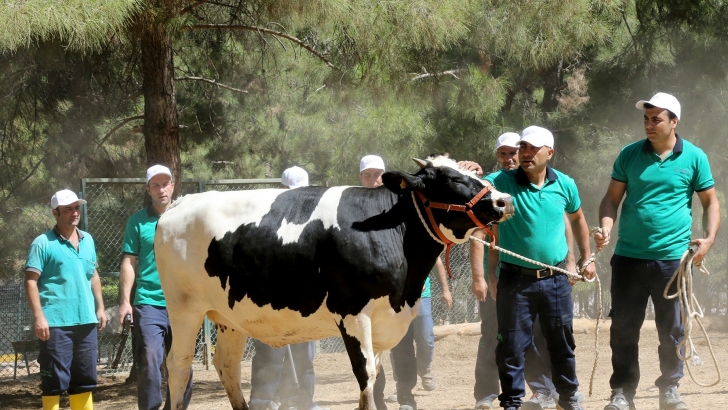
(476, 259)
(711, 220)
(607, 213)
(441, 274)
(126, 282)
(581, 234)
(31, 292)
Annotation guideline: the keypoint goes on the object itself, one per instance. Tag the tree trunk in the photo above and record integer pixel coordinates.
(161, 128)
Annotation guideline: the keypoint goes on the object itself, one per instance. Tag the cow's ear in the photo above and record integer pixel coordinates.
(401, 182)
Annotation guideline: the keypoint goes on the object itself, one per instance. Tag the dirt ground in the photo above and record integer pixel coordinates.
(453, 367)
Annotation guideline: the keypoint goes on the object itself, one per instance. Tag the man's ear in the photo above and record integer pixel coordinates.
(401, 182)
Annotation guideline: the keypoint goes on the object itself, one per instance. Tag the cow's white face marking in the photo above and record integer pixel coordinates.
(325, 211)
(445, 161)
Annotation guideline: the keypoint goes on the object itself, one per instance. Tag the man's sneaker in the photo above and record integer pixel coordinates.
(539, 401)
(484, 404)
(428, 382)
(670, 399)
(406, 407)
(619, 401)
(392, 398)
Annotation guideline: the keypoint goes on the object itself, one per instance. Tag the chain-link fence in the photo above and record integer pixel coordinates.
(112, 201)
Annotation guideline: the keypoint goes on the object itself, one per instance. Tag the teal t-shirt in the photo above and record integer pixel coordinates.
(656, 213)
(426, 289)
(536, 230)
(64, 284)
(139, 242)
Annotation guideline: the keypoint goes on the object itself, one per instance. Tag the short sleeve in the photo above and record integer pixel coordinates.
(35, 261)
(702, 177)
(619, 173)
(131, 245)
(573, 202)
(491, 178)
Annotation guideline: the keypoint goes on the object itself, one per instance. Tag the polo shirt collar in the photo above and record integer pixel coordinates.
(522, 178)
(677, 149)
(63, 238)
(151, 212)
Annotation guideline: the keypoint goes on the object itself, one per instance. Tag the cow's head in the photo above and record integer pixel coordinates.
(440, 180)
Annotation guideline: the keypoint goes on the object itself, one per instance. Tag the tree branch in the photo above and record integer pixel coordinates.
(192, 6)
(213, 82)
(32, 171)
(119, 125)
(448, 72)
(265, 31)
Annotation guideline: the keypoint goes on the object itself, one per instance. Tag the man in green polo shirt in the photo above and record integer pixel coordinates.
(656, 177)
(152, 331)
(541, 195)
(64, 292)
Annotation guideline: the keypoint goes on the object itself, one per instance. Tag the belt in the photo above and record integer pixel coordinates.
(538, 273)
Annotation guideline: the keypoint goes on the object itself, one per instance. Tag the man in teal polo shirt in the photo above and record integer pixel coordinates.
(538, 371)
(64, 292)
(541, 195)
(656, 177)
(152, 331)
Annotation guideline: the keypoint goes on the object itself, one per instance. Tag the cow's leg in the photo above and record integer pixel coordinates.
(185, 326)
(357, 334)
(228, 355)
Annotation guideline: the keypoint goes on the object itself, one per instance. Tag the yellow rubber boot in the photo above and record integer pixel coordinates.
(81, 401)
(51, 402)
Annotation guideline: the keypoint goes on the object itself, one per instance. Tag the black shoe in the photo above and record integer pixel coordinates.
(670, 399)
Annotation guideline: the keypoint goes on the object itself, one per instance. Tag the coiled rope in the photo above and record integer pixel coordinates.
(573, 276)
(690, 310)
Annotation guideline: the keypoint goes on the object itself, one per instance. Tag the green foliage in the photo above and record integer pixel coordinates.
(77, 24)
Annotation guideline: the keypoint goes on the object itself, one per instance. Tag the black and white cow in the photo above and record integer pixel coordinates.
(288, 266)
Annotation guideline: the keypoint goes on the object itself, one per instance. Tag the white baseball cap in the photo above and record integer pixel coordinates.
(294, 177)
(509, 139)
(65, 197)
(538, 136)
(371, 161)
(662, 100)
(155, 170)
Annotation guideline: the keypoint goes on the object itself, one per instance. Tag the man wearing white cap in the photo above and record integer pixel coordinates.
(148, 309)
(538, 369)
(272, 377)
(64, 293)
(371, 168)
(656, 177)
(524, 290)
(294, 177)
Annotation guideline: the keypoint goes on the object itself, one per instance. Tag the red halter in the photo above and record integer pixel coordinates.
(467, 208)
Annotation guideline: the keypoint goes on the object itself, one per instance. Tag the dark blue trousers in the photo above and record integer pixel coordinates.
(272, 376)
(634, 281)
(68, 360)
(537, 371)
(153, 336)
(520, 299)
